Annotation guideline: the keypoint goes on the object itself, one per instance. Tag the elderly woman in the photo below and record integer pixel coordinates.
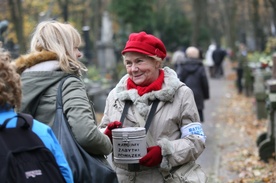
(171, 143)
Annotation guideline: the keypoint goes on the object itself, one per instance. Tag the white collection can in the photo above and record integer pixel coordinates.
(129, 144)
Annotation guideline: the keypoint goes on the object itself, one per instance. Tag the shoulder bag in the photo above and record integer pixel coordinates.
(86, 168)
(190, 172)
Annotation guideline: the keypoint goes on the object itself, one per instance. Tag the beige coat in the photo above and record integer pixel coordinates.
(176, 109)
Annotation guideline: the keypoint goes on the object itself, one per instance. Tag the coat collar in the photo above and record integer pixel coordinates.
(142, 103)
(29, 60)
(169, 87)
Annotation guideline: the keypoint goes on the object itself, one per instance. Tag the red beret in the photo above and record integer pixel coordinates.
(146, 44)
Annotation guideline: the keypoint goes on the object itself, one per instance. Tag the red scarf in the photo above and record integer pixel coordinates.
(154, 86)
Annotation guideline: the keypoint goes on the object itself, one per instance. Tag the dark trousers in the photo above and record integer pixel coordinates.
(212, 71)
(239, 80)
(218, 71)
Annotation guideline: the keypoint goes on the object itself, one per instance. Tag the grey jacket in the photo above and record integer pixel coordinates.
(176, 109)
(77, 107)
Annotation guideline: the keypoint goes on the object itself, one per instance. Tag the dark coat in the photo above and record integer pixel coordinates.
(218, 56)
(193, 74)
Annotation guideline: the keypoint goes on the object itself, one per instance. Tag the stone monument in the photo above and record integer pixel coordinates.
(106, 64)
(105, 48)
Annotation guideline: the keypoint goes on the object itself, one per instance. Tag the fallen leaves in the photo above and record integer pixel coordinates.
(240, 160)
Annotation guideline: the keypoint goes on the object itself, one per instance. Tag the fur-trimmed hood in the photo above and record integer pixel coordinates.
(29, 60)
(169, 87)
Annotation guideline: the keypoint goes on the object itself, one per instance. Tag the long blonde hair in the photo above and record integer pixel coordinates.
(10, 84)
(60, 38)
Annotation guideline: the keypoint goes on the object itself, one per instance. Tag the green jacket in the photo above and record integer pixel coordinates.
(77, 107)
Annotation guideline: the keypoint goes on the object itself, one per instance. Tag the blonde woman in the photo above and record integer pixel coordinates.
(10, 99)
(54, 54)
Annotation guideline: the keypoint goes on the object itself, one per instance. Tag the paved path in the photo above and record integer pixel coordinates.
(210, 158)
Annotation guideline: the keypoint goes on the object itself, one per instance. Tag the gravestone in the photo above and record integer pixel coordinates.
(266, 141)
(106, 64)
(105, 48)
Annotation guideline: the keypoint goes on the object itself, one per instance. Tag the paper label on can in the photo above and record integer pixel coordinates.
(129, 151)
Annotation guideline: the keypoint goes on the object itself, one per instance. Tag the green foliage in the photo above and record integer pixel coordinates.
(136, 13)
(176, 32)
(93, 73)
(270, 45)
(166, 20)
(261, 58)
(204, 37)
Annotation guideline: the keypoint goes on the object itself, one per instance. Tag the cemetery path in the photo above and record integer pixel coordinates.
(231, 127)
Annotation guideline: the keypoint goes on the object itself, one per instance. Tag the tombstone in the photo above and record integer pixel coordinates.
(87, 51)
(260, 94)
(266, 141)
(106, 64)
(105, 49)
(3, 27)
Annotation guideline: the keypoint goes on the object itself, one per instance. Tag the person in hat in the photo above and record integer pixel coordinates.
(10, 100)
(54, 55)
(192, 73)
(169, 143)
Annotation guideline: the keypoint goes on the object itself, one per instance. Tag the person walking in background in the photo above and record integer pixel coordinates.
(209, 62)
(53, 55)
(10, 99)
(178, 57)
(242, 61)
(218, 56)
(172, 144)
(193, 74)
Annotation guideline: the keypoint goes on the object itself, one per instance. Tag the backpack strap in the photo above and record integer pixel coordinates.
(24, 118)
(23, 121)
(20, 136)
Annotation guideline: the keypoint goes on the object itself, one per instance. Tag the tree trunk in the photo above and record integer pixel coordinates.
(273, 4)
(197, 20)
(64, 6)
(18, 22)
